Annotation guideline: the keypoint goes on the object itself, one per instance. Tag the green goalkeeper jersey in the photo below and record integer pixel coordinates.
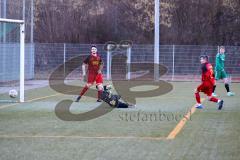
(220, 59)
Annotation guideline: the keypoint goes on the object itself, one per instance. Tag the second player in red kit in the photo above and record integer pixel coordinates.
(94, 72)
(208, 81)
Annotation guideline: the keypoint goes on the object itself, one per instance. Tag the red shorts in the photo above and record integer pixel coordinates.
(206, 87)
(98, 78)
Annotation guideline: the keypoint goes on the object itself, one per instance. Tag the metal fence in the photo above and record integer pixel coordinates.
(10, 62)
(181, 61)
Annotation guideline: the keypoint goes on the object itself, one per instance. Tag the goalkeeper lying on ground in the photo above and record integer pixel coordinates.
(112, 99)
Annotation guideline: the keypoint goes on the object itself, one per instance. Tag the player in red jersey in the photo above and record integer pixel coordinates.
(95, 66)
(208, 82)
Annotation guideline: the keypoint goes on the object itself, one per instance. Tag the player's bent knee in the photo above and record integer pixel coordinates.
(89, 85)
(209, 98)
(196, 91)
(226, 80)
(100, 86)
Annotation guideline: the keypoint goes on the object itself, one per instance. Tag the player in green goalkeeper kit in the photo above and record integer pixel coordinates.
(220, 72)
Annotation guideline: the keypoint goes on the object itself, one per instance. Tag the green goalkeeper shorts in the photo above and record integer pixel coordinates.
(220, 74)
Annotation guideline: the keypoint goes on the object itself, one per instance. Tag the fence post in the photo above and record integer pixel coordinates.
(32, 60)
(64, 58)
(108, 62)
(32, 20)
(4, 24)
(173, 63)
(128, 76)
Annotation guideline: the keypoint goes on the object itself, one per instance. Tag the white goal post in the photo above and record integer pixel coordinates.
(22, 58)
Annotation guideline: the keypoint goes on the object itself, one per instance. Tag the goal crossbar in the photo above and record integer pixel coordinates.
(11, 20)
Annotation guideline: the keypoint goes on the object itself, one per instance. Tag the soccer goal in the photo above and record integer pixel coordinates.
(11, 60)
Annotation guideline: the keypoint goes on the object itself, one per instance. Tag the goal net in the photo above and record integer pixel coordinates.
(11, 60)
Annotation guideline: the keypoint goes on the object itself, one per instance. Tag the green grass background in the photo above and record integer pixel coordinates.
(210, 134)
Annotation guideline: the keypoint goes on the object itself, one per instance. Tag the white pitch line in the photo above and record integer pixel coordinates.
(82, 137)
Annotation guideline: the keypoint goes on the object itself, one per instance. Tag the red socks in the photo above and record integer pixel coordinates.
(197, 95)
(84, 90)
(213, 99)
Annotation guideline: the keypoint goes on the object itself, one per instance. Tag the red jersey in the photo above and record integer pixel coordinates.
(93, 63)
(207, 73)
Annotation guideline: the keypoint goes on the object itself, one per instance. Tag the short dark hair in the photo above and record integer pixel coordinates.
(93, 46)
(204, 57)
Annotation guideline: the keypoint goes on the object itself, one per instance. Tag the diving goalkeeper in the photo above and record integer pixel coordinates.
(112, 99)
